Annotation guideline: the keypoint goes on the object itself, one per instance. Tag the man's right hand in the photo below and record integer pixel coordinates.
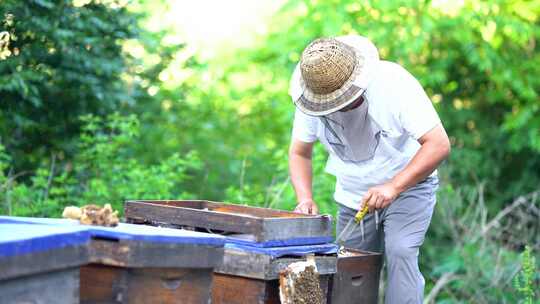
(307, 207)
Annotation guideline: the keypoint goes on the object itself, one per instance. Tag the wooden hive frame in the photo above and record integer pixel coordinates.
(263, 225)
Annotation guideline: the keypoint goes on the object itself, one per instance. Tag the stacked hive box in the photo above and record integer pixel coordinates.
(249, 273)
(357, 278)
(260, 243)
(60, 261)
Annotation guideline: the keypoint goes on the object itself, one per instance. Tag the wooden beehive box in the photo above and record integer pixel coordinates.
(61, 261)
(253, 277)
(265, 226)
(357, 277)
(250, 273)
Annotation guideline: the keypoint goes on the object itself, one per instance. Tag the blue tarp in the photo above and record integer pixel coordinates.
(28, 231)
(308, 241)
(19, 239)
(276, 252)
(19, 235)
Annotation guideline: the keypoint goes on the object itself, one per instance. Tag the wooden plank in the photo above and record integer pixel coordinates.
(264, 267)
(192, 217)
(114, 253)
(357, 278)
(264, 224)
(326, 265)
(229, 289)
(137, 267)
(107, 284)
(60, 287)
(43, 261)
(146, 254)
(109, 252)
(168, 255)
(240, 210)
(170, 286)
(100, 283)
(282, 228)
(245, 264)
(254, 211)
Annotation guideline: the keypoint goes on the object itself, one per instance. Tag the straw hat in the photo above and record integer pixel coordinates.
(332, 73)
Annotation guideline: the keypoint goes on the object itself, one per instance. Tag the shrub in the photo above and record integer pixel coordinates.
(104, 171)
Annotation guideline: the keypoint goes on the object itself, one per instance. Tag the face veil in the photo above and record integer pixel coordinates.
(353, 135)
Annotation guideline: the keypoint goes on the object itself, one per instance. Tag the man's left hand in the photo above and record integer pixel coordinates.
(381, 196)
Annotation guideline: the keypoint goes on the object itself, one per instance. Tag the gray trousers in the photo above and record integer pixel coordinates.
(399, 234)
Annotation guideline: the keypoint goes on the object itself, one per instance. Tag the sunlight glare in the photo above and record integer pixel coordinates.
(212, 23)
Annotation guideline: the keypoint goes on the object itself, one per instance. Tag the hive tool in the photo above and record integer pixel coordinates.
(351, 226)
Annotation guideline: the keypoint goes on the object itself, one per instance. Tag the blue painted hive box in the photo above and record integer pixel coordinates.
(92, 264)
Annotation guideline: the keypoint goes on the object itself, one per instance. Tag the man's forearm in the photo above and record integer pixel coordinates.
(426, 160)
(435, 148)
(301, 176)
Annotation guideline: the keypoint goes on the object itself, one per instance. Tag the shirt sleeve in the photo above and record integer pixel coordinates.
(304, 127)
(416, 112)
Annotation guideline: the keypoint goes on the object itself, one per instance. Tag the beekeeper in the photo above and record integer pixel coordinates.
(384, 140)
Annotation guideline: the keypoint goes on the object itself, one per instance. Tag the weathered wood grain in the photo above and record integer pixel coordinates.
(229, 289)
(264, 267)
(357, 278)
(283, 228)
(146, 254)
(326, 265)
(192, 217)
(112, 253)
(61, 286)
(264, 224)
(145, 272)
(107, 284)
(45, 261)
(241, 210)
(111, 271)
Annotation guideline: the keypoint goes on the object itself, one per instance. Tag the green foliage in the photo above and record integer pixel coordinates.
(104, 171)
(62, 61)
(235, 112)
(480, 75)
(524, 280)
(219, 128)
(239, 116)
(110, 173)
(279, 194)
(460, 246)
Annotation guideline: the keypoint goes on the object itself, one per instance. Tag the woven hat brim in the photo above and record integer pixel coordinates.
(324, 104)
(336, 104)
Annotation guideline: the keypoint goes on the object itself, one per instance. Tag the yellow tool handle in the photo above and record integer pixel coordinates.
(361, 213)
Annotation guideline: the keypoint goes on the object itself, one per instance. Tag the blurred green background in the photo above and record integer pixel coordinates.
(107, 100)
